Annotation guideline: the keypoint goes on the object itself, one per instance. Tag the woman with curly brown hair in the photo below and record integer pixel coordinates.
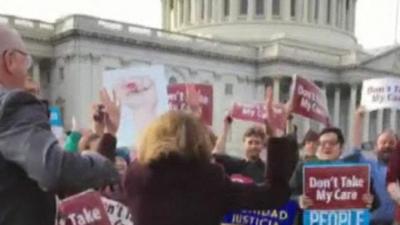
(174, 182)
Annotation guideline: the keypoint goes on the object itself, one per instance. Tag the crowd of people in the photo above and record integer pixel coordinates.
(181, 173)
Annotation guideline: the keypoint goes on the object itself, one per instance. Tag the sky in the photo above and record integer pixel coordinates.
(375, 19)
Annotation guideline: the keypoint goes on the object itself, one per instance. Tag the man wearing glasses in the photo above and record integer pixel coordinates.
(330, 148)
(32, 164)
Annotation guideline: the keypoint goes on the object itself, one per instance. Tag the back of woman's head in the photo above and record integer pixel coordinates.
(175, 133)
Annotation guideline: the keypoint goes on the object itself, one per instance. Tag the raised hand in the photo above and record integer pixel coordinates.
(112, 109)
(277, 115)
(98, 123)
(193, 100)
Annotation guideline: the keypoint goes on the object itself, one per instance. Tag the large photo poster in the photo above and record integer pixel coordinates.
(142, 91)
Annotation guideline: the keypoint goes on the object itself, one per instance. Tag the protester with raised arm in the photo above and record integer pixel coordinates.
(384, 146)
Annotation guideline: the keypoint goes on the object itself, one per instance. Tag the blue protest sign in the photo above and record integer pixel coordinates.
(281, 216)
(55, 116)
(336, 217)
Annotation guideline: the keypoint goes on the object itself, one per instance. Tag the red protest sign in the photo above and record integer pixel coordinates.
(258, 113)
(178, 98)
(249, 112)
(309, 101)
(83, 209)
(336, 186)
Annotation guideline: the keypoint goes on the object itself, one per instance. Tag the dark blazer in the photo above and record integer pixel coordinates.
(175, 191)
(33, 166)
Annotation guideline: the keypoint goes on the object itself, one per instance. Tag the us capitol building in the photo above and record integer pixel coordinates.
(238, 46)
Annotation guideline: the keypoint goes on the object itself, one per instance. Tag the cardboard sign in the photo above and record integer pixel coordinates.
(381, 93)
(83, 209)
(336, 186)
(118, 213)
(281, 216)
(336, 217)
(177, 96)
(309, 101)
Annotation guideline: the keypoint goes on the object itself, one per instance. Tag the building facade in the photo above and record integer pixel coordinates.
(238, 46)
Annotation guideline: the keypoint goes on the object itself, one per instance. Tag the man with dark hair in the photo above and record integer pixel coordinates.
(32, 164)
(253, 143)
(310, 144)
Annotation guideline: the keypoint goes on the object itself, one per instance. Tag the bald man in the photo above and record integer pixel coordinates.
(32, 164)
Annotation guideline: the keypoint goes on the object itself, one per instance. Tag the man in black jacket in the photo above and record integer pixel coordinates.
(32, 164)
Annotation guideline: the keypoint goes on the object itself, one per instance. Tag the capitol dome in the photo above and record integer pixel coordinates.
(325, 23)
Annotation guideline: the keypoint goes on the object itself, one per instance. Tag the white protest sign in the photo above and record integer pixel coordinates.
(142, 91)
(381, 93)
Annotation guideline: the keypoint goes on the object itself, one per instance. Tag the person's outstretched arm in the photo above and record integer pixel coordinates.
(26, 139)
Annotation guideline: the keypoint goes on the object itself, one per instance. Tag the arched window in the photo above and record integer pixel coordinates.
(243, 7)
(259, 7)
(226, 7)
(276, 7)
(293, 8)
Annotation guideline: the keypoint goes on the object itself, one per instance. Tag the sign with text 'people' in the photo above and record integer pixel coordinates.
(337, 186)
(336, 217)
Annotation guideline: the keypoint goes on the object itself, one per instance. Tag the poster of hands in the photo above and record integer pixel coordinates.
(142, 92)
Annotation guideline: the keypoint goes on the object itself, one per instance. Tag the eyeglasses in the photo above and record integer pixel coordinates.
(28, 58)
(328, 143)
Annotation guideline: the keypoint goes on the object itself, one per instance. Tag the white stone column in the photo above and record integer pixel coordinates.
(197, 13)
(233, 10)
(343, 15)
(192, 14)
(277, 88)
(186, 12)
(393, 119)
(366, 122)
(323, 5)
(352, 110)
(164, 13)
(176, 18)
(215, 7)
(285, 9)
(311, 13)
(379, 121)
(336, 107)
(323, 89)
(251, 9)
(268, 10)
(207, 13)
(220, 10)
(179, 13)
(306, 125)
(305, 11)
(299, 10)
(333, 12)
(36, 71)
(352, 16)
